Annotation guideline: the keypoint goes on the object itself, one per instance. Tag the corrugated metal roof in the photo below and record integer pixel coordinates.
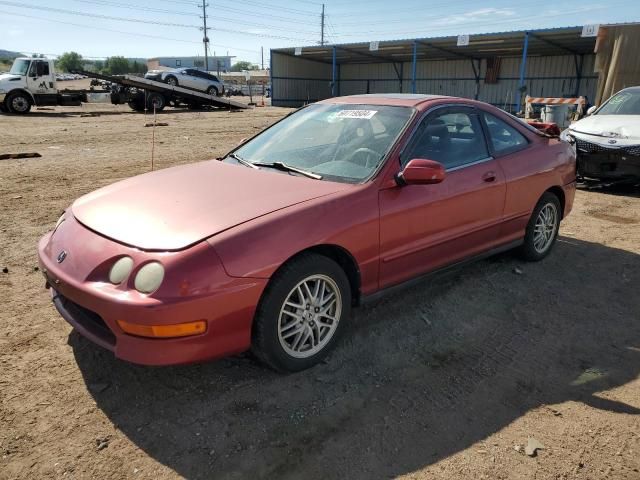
(548, 41)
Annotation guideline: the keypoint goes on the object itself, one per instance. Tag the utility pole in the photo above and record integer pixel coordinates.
(205, 38)
(322, 26)
(262, 57)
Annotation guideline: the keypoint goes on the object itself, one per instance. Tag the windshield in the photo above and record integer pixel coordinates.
(20, 67)
(339, 142)
(623, 103)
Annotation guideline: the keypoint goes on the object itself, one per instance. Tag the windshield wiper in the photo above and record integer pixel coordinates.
(288, 168)
(241, 160)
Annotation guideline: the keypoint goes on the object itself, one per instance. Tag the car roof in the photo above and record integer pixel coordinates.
(393, 99)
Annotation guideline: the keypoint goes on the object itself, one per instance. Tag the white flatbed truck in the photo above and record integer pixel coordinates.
(32, 82)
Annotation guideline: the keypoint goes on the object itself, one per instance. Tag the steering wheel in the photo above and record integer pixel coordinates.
(367, 154)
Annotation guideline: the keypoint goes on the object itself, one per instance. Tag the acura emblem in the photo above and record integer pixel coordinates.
(61, 256)
(613, 141)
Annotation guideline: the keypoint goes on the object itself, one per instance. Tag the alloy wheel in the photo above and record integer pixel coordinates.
(545, 228)
(309, 316)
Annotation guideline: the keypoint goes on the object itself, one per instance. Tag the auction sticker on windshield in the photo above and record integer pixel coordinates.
(366, 114)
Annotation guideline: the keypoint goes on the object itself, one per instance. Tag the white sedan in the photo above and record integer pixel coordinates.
(607, 142)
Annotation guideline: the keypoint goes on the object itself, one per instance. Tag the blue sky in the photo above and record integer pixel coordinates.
(149, 28)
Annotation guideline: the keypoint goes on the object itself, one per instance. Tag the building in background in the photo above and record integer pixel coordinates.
(216, 64)
(497, 68)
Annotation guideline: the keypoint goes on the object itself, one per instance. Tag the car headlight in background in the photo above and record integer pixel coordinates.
(120, 270)
(566, 136)
(149, 277)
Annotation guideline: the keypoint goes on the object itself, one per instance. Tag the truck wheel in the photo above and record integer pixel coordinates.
(212, 91)
(173, 81)
(19, 103)
(156, 100)
(137, 106)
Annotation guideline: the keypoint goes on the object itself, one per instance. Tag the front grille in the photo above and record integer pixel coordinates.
(86, 318)
(588, 147)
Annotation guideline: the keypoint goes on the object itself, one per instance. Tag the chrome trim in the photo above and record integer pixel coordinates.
(461, 167)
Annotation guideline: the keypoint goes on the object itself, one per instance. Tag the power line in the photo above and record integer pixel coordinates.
(131, 6)
(472, 25)
(96, 15)
(150, 22)
(136, 34)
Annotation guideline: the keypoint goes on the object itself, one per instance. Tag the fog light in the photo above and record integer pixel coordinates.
(149, 277)
(164, 331)
(120, 270)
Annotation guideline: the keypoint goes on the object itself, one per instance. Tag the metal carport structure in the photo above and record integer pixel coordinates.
(497, 68)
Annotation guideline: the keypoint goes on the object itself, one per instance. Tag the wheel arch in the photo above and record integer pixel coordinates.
(558, 192)
(342, 257)
(21, 90)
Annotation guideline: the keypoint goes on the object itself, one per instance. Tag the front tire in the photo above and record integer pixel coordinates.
(212, 91)
(542, 229)
(302, 313)
(19, 103)
(173, 81)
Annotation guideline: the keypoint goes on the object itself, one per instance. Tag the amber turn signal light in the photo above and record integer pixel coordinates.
(164, 331)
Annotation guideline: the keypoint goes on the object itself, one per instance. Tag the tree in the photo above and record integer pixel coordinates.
(242, 65)
(69, 62)
(116, 66)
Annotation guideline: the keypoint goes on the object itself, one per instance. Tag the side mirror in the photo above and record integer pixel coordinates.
(591, 110)
(420, 171)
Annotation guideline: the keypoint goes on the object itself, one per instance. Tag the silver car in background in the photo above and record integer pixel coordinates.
(189, 78)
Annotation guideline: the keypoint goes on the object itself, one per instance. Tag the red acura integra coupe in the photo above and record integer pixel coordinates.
(269, 248)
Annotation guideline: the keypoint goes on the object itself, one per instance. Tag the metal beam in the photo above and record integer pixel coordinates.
(476, 74)
(334, 72)
(523, 70)
(554, 44)
(446, 50)
(579, 66)
(414, 66)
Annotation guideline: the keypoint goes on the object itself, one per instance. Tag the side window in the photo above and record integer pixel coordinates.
(43, 69)
(504, 138)
(453, 139)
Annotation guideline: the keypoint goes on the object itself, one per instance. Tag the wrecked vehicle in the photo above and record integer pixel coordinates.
(607, 142)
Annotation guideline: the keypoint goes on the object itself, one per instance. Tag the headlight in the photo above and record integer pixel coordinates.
(149, 277)
(120, 270)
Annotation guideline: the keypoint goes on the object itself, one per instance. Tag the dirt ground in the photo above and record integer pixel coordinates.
(446, 380)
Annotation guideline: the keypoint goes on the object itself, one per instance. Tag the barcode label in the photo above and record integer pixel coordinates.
(366, 114)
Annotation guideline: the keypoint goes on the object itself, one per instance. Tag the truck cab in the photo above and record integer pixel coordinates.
(31, 81)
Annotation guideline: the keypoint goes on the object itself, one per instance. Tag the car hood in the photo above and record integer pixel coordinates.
(175, 208)
(623, 127)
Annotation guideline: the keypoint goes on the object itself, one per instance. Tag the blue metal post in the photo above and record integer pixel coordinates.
(523, 70)
(334, 71)
(414, 67)
(271, 74)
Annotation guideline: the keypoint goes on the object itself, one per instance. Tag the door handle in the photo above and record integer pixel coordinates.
(489, 176)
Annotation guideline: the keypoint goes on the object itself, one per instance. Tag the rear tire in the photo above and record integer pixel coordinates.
(157, 100)
(542, 229)
(18, 103)
(302, 313)
(173, 81)
(212, 91)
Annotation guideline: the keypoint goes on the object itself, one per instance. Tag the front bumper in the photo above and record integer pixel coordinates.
(93, 307)
(607, 163)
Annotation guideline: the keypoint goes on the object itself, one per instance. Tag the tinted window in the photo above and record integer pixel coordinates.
(453, 139)
(504, 137)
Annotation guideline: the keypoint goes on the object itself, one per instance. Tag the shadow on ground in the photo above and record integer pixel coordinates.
(421, 375)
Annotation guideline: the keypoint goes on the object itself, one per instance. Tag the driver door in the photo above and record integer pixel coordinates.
(40, 83)
(425, 227)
